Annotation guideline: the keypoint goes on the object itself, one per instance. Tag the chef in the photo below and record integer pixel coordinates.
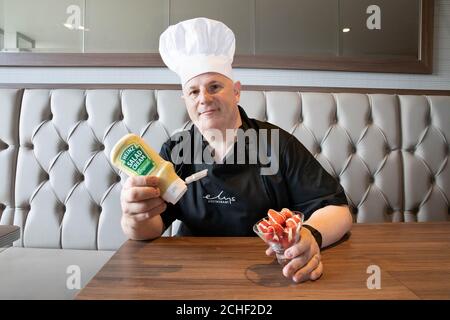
(238, 190)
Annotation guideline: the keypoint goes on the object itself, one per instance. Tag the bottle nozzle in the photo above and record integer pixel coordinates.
(196, 176)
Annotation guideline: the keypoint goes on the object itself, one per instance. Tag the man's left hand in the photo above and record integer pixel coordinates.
(305, 258)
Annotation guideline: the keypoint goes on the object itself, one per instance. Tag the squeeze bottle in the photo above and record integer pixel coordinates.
(132, 155)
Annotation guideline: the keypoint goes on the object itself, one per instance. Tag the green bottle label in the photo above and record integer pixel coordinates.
(135, 158)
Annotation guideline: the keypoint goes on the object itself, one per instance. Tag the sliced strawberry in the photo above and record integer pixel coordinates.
(286, 213)
(275, 217)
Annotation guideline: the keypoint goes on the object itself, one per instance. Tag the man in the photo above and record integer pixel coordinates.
(233, 196)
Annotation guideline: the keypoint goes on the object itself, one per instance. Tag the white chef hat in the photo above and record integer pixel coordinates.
(197, 46)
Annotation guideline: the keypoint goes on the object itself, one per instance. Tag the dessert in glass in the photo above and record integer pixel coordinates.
(280, 230)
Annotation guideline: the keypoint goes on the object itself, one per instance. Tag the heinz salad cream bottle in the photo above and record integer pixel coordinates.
(132, 155)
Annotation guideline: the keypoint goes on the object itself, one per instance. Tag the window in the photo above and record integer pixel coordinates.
(346, 35)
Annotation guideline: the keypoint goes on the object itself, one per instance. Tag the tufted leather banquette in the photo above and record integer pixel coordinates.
(390, 153)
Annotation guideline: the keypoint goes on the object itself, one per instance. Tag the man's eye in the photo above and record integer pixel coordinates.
(193, 93)
(215, 87)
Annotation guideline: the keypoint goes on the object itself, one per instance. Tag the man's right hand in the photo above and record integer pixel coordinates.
(140, 200)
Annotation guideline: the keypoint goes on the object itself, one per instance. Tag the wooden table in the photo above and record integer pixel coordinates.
(414, 259)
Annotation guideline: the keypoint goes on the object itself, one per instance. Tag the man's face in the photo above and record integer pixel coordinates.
(211, 100)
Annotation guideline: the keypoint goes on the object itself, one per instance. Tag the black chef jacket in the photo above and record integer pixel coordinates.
(232, 197)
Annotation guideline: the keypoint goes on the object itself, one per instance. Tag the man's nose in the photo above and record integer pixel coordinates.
(205, 97)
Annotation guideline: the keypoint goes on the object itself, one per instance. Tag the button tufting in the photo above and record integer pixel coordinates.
(118, 178)
(51, 116)
(81, 178)
(432, 179)
(2, 206)
(65, 146)
(101, 147)
(319, 149)
(99, 208)
(371, 179)
(353, 149)
(63, 208)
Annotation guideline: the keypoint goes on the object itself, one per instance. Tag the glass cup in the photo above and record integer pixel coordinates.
(282, 243)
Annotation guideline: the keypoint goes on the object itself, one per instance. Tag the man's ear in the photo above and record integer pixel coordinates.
(237, 90)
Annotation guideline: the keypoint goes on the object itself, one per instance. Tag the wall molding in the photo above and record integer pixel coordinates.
(244, 88)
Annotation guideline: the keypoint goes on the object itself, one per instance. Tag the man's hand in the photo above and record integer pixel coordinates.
(140, 200)
(305, 258)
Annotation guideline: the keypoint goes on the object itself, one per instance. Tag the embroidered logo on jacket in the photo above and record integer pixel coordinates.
(220, 198)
